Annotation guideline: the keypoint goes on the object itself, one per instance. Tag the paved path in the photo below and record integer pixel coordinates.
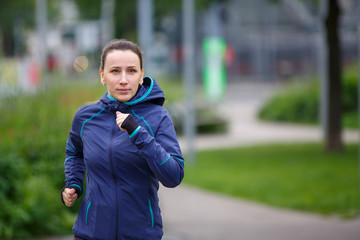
(194, 214)
(240, 106)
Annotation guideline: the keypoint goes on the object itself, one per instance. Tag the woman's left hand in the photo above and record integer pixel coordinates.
(120, 117)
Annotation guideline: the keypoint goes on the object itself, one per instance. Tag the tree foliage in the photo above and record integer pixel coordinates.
(11, 11)
(23, 13)
(125, 13)
(20, 16)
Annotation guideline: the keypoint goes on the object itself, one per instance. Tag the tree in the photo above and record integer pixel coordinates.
(333, 128)
(332, 84)
(330, 17)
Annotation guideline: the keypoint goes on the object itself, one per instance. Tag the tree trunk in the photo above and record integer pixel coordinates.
(334, 68)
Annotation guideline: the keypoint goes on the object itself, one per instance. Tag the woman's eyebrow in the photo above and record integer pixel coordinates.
(114, 66)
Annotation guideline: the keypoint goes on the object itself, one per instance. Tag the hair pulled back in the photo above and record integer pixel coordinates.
(123, 45)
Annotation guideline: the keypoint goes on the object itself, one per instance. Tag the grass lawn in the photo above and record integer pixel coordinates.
(298, 176)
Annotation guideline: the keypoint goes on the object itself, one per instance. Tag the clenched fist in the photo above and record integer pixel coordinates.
(120, 118)
(126, 122)
(69, 196)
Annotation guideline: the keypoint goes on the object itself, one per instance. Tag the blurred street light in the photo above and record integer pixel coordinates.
(145, 29)
(188, 12)
(41, 28)
(107, 20)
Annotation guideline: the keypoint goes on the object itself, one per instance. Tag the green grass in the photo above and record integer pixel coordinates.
(301, 176)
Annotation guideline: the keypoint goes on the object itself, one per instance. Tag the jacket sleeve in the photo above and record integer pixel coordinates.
(162, 152)
(74, 162)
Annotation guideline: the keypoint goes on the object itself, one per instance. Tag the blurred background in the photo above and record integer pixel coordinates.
(257, 81)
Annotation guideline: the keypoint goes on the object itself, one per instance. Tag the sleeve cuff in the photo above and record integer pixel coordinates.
(129, 124)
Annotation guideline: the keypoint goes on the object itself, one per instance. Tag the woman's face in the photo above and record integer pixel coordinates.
(122, 74)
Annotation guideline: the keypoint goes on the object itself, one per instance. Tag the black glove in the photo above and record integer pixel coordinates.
(129, 124)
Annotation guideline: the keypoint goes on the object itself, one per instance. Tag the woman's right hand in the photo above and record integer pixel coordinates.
(69, 196)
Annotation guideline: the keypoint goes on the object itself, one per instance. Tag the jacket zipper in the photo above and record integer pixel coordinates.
(114, 177)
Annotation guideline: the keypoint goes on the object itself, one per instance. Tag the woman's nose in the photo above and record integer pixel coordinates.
(123, 78)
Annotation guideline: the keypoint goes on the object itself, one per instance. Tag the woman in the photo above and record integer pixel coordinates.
(126, 143)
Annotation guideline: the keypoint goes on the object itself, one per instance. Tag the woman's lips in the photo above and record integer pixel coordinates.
(123, 90)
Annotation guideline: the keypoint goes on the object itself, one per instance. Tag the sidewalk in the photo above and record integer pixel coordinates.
(193, 214)
(240, 106)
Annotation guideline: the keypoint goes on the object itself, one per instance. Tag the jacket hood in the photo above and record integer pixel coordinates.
(149, 91)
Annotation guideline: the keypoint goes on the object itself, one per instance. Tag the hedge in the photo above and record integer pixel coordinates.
(299, 101)
(34, 129)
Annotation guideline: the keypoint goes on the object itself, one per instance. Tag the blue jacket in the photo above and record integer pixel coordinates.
(122, 171)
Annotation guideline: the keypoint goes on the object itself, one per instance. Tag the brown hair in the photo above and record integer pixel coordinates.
(120, 44)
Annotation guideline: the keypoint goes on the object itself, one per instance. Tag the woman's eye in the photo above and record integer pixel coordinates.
(132, 70)
(115, 71)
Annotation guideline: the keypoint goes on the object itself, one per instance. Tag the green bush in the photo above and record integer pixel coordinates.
(350, 90)
(33, 130)
(29, 198)
(207, 119)
(12, 215)
(299, 102)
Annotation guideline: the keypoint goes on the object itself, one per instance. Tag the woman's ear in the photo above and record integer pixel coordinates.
(142, 77)
(103, 82)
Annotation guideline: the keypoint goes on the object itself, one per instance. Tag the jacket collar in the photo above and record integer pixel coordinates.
(150, 91)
